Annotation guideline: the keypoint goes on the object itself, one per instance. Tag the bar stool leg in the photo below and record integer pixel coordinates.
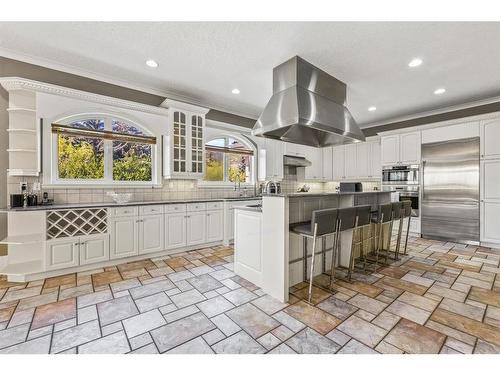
(407, 233)
(304, 258)
(313, 258)
(400, 233)
(362, 248)
(334, 253)
(353, 245)
(323, 255)
(379, 228)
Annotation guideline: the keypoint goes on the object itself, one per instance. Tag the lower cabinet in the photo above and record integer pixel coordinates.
(215, 225)
(175, 230)
(94, 248)
(196, 228)
(490, 228)
(76, 251)
(151, 234)
(61, 253)
(124, 237)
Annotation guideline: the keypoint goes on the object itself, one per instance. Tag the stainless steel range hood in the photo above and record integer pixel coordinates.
(307, 107)
(295, 161)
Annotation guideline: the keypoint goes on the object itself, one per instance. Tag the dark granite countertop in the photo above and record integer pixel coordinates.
(111, 204)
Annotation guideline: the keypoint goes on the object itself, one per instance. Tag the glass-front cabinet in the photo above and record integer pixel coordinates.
(184, 145)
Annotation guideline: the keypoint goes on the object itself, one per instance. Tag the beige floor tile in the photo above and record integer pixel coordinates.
(415, 338)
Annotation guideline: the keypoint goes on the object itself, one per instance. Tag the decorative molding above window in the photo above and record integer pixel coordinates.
(16, 83)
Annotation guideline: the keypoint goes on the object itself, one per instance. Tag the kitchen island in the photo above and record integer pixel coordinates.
(278, 246)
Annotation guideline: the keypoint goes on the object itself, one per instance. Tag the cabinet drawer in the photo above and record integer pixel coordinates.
(148, 210)
(191, 207)
(214, 205)
(180, 207)
(123, 211)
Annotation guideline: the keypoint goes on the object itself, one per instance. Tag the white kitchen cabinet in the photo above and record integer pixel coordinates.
(215, 225)
(490, 138)
(175, 230)
(338, 163)
(150, 231)
(410, 146)
(401, 148)
(390, 149)
(295, 149)
(124, 237)
(315, 171)
(184, 145)
(196, 228)
(490, 228)
(490, 180)
(351, 170)
(274, 159)
(61, 253)
(374, 161)
(363, 159)
(94, 249)
(490, 200)
(327, 156)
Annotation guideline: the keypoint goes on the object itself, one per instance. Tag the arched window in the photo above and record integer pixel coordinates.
(228, 160)
(100, 148)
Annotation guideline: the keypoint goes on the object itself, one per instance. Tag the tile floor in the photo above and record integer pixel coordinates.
(440, 298)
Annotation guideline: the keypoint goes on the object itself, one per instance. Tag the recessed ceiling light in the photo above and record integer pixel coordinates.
(235, 91)
(372, 108)
(152, 63)
(439, 91)
(415, 62)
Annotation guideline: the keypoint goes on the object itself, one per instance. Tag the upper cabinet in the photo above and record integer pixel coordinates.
(271, 160)
(356, 161)
(490, 138)
(338, 163)
(327, 156)
(315, 171)
(184, 145)
(401, 148)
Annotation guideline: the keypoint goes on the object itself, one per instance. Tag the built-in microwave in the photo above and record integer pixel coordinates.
(400, 175)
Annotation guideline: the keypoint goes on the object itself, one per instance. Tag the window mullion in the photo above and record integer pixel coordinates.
(108, 154)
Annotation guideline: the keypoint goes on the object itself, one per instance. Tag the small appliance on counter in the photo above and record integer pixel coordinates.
(351, 187)
(16, 200)
(25, 199)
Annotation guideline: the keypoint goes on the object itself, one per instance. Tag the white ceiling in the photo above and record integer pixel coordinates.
(205, 61)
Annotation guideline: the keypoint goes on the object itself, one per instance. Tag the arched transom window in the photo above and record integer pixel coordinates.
(228, 160)
(102, 149)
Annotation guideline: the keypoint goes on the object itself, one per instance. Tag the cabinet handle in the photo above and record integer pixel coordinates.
(208, 214)
(77, 244)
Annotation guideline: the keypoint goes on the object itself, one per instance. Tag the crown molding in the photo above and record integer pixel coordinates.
(16, 83)
(437, 111)
(175, 104)
(166, 93)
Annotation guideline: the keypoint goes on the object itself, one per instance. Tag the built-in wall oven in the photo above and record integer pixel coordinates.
(400, 175)
(405, 193)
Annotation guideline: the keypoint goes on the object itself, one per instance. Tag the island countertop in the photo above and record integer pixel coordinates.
(321, 194)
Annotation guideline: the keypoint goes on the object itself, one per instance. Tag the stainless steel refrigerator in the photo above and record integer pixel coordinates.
(450, 194)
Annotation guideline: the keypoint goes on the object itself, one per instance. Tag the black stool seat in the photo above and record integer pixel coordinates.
(303, 227)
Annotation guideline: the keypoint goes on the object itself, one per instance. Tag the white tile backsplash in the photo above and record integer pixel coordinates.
(171, 190)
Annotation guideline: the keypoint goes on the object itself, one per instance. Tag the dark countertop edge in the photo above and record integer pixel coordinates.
(300, 195)
(69, 206)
